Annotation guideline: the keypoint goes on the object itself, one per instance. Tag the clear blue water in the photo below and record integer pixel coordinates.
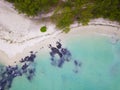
(100, 68)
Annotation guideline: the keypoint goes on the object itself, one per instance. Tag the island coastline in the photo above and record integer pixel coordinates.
(15, 41)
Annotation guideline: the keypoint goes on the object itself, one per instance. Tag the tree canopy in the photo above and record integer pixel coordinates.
(33, 7)
(68, 11)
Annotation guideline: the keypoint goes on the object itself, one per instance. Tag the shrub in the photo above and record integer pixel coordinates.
(43, 29)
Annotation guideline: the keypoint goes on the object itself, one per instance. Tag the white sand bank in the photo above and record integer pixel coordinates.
(18, 32)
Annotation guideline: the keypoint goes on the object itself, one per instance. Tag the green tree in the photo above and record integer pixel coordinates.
(68, 11)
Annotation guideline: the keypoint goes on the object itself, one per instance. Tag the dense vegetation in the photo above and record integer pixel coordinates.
(68, 11)
(33, 7)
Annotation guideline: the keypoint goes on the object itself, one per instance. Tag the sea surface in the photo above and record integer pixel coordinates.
(99, 70)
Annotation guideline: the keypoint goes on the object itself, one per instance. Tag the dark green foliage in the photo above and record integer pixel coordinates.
(43, 29)
(33, 7)
(66, 12)
(65, 18)
(107, 9)
(11, 1)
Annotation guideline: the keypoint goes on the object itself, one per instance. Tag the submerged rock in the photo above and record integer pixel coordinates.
(59, 45)
(64, 55)
(8, 74)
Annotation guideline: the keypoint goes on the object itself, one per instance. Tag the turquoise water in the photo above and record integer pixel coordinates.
(100, 68)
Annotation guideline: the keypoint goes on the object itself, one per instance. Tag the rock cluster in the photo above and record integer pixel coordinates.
(64, 55)
(8, 73)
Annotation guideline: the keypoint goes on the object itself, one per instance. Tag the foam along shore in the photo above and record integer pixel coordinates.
(19, 34)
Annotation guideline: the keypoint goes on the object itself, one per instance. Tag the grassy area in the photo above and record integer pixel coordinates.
(68, 11)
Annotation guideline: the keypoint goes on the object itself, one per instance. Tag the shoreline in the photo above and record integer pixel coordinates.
(19, 35)
(84, 31)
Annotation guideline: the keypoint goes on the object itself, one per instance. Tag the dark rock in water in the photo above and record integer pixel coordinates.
(60, 55)
(22, 60)
(16, 67)
(54, 50)
(3, 83)
(26, 58)
(1, 88)
(59, 45)
(24, 66)
(64, 54)
(68, 53)
(10, 72)
(61, 62)
(77, 66)
(75, 62)
(80, 64)
(54, 63)
(31, 51)
(52, 59)
(32, 71)
(51, 54)
(64, 51)
(17, 73)
(29, 77)
(31, 58)
(10, 82)
(50, 46)
(68, 59)
(75, 71)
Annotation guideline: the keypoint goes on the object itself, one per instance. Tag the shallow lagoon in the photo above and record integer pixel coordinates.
(100, 69)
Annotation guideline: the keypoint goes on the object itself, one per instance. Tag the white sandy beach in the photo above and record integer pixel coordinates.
(19, 33)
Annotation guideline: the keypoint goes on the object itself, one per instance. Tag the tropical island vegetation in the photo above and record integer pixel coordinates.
(68, 11)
